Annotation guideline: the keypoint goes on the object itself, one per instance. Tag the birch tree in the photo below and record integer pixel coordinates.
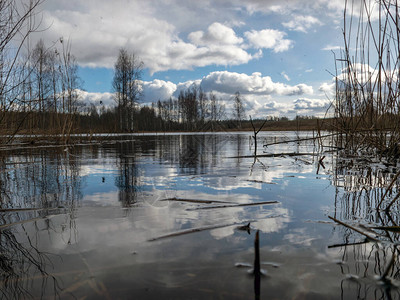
(126, 85)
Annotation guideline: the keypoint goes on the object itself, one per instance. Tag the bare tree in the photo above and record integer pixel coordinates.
(17, 22)
(188, 107)
(70, 83)
(203, 106)
(126, 85)
(238, 109)
(217, 110)
(43, 62)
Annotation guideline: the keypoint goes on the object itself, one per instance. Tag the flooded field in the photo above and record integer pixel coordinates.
(167, 217)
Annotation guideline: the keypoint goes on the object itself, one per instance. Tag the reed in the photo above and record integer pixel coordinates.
(367, 103)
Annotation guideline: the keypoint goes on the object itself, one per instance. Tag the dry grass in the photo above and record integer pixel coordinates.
(367, 103)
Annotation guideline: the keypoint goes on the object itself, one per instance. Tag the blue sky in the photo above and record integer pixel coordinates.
(276, 53)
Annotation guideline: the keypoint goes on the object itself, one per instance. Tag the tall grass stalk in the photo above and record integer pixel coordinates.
(367, 104)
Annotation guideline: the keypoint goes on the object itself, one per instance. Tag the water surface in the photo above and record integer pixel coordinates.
(102, 221)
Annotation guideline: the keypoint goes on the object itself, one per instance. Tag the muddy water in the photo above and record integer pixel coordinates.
(160, 217)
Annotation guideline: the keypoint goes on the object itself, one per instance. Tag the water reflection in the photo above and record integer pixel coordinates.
(93, 210)
(128, 178)
(371, 269)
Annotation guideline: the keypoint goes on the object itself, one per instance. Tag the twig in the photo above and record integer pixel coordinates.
(392, 202)
(27, 209)
(193, 230)
(388, 228)
(355, 229)
(300, 140)
(388, 189)
(257, 268)
(389, 266)
(348, 244)
(236, 205)
(194, 200)
(275, 155)
(255, 134)
(25, 221)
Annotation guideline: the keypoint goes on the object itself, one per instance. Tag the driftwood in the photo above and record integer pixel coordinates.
(257, 269)
(300, 140)
(4, 226)
(236, 205)
(349, 244)
(260, 181)
(193, 230)
(194, 200)
(388, 228)
(387, 190)
(274, 155)
(371, 238)
(255, 134)
(28, 209)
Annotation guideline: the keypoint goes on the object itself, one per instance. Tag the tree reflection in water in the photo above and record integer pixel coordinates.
(51, 185)
(371, 269)
(128, 179)
(35, 187)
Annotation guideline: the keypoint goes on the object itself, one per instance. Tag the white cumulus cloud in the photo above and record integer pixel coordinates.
(230, 82)
(302, 23)
(311, 107)
(158, 89)
(217, 34)
(97, 99)
(269, 39)
(328, 88)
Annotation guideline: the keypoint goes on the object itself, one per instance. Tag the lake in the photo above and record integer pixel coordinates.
(164, 216)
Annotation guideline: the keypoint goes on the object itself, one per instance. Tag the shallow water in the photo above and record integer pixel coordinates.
(95, 222)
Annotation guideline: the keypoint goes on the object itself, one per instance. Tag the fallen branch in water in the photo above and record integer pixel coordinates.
(236, 205)
(389, 189)
(300, 140)
(257, 268)
(389, 266)
(26, 221)
(18, 209)
(371, 238)
(260, 181)
(274, 155)
(255, 134)
(388, 228)
(193, 230)
(348, 244)
(28, 209)
(194, 200)
(392, 202)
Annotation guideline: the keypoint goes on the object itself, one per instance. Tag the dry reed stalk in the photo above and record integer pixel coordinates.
(371, 238)
(389, 188)
(368, 87)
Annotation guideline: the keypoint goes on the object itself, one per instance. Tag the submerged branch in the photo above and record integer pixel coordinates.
(388, 189)
(300, 140)
(193, 230)
(25, 221)
(371, 238)
(194, 200)
(257, 268)
(388, 228)
(237, 205)
(349, 244)
(275, 155)
(3, 210)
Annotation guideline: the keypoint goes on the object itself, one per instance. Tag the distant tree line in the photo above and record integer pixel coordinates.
(192, 110)
(40, 90)
(38, 84)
